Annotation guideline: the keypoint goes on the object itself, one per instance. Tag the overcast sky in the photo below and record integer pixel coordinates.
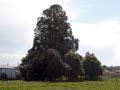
(96, 23)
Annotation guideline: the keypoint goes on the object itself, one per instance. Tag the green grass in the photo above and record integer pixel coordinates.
(111, 84)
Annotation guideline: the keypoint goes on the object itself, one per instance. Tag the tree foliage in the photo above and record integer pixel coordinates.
(92, 67)
(53, 54)
(75, 62)
(53, 38)
(48, 66)
(53, 31)
(53, 65)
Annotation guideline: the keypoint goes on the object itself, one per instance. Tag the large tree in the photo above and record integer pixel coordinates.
(52, 39)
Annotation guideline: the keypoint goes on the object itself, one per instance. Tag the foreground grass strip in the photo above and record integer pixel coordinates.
(112, 84)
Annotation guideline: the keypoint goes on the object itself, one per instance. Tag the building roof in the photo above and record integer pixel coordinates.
(6, 66)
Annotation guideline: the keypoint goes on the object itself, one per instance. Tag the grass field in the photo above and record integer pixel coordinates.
(111, 84)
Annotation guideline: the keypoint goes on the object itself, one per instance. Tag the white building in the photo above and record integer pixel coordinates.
(9, 71)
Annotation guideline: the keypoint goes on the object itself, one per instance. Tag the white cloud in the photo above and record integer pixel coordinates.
(100, 35)
(12, 59)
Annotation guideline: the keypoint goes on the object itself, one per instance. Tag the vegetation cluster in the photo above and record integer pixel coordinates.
(54, 53)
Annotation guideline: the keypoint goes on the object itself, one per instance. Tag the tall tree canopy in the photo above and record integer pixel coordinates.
(53, 31)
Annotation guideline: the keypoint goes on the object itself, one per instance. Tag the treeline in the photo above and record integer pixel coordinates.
(53, 55)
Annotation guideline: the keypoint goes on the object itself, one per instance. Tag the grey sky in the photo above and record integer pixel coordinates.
(95, 23)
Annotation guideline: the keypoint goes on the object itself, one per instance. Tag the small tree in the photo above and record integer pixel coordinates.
(48, 66)
(74, 61)
(54, 67)
(92, 67)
